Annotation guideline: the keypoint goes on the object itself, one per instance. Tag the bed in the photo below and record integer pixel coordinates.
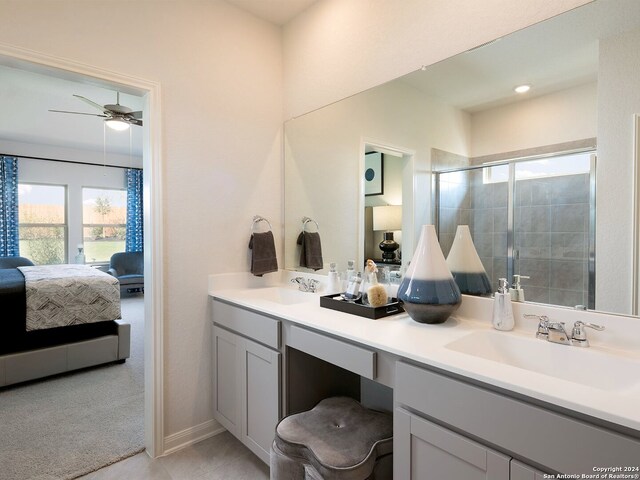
(56, 319)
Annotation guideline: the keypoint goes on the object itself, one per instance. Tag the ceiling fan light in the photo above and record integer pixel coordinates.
(117, 124)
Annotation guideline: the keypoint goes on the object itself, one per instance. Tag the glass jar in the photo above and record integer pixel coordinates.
(374, 293)
(354, 288)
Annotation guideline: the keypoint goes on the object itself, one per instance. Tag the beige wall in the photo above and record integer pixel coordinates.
(618, 102)
(559, 117)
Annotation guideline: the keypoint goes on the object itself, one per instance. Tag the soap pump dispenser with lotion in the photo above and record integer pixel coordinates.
(502, 308)
(517, 293)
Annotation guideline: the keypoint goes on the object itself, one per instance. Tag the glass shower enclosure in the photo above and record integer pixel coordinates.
(533, 217)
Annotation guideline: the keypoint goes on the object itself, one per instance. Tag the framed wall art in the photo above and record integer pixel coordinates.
(373, 174)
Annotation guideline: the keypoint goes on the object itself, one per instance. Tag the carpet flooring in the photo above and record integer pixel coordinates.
(72, 424)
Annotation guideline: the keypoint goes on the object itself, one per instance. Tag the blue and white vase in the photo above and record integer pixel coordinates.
(465, 264)
(428, 291)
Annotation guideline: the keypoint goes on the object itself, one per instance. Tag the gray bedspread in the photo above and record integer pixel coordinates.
(59, 295)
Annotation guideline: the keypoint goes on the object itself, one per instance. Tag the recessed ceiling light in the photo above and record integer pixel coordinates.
(522, 88)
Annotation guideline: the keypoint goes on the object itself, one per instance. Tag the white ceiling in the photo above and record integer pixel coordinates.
(553, 55)
(278, 12)
(25, 100)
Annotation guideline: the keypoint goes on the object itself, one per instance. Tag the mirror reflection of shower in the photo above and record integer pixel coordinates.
(533, 217)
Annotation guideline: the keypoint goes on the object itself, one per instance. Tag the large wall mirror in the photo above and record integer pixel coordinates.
(544, 179)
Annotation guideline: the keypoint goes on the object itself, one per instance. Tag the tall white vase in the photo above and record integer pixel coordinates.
(428, 291)
(466, 266)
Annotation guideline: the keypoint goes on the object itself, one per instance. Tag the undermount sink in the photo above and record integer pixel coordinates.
(586, 366)
(280, 295)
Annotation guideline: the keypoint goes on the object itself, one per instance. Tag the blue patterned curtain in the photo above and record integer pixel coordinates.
(9, 240)
(135, 237)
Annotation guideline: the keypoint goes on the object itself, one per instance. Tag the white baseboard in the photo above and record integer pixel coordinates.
(191, 435)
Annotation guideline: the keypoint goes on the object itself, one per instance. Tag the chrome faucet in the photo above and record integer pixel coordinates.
(556, 332)
(543, 325)
(306, 284)
(579, 335)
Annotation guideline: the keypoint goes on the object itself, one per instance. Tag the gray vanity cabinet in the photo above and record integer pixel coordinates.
(520, 471)
(227, 352)
(426, 451)
(246, 383)
(550, 439)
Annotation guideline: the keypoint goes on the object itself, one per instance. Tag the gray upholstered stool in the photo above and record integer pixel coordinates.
(338, 439)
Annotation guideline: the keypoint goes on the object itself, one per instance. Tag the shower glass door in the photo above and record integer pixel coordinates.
(529, 217)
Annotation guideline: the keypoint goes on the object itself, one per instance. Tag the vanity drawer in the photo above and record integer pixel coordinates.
(262, 329)
(541, 436)
(343, 354)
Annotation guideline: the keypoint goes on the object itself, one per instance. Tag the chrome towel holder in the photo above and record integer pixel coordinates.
(258, 219)
(306, 220)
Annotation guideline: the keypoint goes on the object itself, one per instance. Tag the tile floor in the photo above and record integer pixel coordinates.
(219, 457)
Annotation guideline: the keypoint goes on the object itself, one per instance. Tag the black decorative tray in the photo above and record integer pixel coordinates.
(334, 302)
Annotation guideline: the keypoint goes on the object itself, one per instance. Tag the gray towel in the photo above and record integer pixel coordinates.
(311, 251)
(263, 255)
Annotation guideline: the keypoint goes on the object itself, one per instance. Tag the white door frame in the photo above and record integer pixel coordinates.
(152, 164)
(408, 199)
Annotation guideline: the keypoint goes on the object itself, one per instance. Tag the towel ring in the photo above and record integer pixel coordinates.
(258, 219)
(306, 220)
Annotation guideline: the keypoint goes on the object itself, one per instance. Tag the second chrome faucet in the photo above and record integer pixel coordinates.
(556, 332)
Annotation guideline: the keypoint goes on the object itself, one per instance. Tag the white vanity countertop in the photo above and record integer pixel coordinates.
(426, 344)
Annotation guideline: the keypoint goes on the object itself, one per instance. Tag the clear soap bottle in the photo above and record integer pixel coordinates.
(354, 291)
(334, 285)
(349, 274)
(502, 308)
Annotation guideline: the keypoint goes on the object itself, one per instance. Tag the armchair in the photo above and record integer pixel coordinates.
(13, 262)
(128, 268)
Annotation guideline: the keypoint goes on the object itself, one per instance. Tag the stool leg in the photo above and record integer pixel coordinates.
(284, 468)
(383, 469)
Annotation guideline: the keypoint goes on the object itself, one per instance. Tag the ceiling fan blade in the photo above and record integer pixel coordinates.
(134, 121)
(93, 104)
(137, 114)
(80, 113)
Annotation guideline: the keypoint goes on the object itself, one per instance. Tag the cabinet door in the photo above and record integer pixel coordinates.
(520, 471)
(227, 348)
(425, 451)
(261, 395)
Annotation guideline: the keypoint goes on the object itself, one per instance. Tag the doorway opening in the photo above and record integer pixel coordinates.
(386, 203)
(149, 94)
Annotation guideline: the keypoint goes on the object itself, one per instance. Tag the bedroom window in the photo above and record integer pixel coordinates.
(104, 223)
(42, 212)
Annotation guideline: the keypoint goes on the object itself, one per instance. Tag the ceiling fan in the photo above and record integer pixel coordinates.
(116, 116)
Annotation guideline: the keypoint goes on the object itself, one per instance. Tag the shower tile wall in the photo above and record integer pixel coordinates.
(551, 220)
(551, 224)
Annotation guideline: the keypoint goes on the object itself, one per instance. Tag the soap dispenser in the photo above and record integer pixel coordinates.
(349, 274)
(502, 309)
(334, 285)
(517, 293)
